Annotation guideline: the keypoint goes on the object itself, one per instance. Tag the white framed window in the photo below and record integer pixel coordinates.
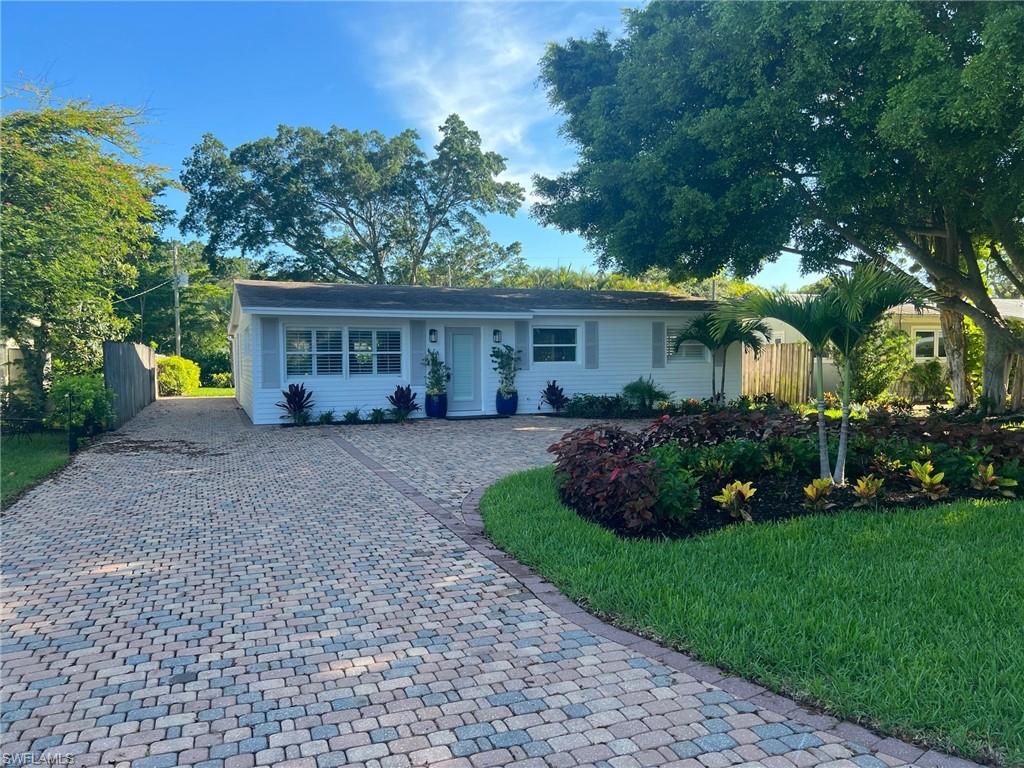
(689, 351)
(314, 352)
(374, 352)
(555, 345)
(929, 344)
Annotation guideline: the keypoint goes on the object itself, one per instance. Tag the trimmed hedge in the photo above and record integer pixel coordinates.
(177, 376)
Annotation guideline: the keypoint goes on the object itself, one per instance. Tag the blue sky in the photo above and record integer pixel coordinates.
(237, 70)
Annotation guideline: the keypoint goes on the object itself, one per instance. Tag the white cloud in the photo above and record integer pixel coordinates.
(481, 61)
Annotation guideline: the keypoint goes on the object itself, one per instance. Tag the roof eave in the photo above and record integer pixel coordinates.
(350, 311)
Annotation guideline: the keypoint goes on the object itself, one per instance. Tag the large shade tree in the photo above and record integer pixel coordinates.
(722, 134)
(77, 211)
(345, 205)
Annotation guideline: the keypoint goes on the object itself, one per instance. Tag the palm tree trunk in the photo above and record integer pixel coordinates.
(826, 470)
(725, 354)
(714, 398)
(844, 430)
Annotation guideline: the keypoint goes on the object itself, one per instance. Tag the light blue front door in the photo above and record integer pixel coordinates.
(462, 353)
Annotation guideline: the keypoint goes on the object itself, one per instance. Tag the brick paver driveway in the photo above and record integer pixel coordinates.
(196, 591)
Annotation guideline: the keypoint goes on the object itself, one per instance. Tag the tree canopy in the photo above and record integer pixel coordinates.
(720, 134)
(347, 205)
(77, 210)
(148, 304)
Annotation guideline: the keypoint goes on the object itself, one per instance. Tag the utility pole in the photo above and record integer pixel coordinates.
(177, 309)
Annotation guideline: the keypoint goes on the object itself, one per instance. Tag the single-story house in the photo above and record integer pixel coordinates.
(352, 344)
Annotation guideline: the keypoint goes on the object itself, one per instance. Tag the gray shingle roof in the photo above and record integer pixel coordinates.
(406, 298)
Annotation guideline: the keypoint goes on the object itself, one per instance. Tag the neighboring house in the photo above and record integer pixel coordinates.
(12, 367)
(10, 362)
(922, 327)
(352, 344)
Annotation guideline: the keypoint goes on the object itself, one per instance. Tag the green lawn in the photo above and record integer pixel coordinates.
(24, 459)
(213, 392)
(907, 621)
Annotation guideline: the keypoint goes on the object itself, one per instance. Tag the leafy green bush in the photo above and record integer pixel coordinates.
(878, 362)
(928, 382)
(92, 404)
(642, 394)
(678, 491)
(221, 380)
(212, 362)
(177, 376)
(597, 407)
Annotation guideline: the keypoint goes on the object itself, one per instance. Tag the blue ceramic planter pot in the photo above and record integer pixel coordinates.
(506, 405)
(436, 406)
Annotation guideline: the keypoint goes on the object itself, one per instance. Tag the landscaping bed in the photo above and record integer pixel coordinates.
(905, 620)
(686, 475)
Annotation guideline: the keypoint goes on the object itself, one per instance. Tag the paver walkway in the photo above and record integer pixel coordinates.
(196, 591)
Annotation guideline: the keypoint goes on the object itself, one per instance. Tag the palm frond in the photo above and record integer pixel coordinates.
(814, 316)
(863, 296)
(699, 330)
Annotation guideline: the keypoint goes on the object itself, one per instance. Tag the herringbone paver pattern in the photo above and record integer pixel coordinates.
(194, 591)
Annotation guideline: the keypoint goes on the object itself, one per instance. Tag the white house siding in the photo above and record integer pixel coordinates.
(337, 393)
(624, 353)
(242, 357)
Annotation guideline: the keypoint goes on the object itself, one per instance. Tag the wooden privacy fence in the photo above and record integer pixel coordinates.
(129, 370)
(782, 369)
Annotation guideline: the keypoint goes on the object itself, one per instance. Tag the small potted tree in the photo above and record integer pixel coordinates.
(506, 363)
(437, 385)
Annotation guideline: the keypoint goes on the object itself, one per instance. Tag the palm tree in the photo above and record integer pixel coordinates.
(714, 336)
(815, 317)
(862, 296)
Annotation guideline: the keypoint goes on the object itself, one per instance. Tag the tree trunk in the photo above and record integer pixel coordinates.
(725, 355)
(33, 363)
(714, 396)
(826, 470)
(844, 430)
(956, 356)
(993, 394)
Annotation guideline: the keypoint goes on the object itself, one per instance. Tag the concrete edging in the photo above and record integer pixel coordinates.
(471, 530)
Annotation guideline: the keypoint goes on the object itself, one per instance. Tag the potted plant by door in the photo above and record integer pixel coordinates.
(506, 363)
(437, 385)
